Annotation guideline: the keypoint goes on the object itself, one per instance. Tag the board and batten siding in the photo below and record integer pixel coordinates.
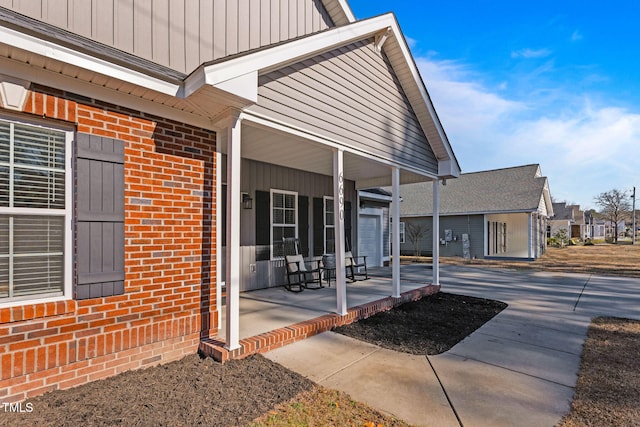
(180, 34)
(351, 95)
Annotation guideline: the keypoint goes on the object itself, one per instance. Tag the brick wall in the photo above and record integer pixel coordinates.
(169, 301)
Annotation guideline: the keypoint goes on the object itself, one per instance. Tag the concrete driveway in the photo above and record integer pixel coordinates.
(518, 369)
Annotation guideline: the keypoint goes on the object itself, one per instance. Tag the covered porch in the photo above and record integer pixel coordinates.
(274, 317)
(314, 120)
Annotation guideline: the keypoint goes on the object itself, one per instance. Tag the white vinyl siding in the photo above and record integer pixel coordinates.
(35, 212)
(284, 219)
(352, 95)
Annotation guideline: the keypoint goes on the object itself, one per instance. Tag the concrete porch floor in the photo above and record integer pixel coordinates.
(273, 317)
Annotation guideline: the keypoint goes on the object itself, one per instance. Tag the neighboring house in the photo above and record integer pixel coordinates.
(498, 213)
(569, 218)
(146, 145)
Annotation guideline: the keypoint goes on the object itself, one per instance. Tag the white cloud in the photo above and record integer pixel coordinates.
(531, 53)
(583, 147)
(576, 35)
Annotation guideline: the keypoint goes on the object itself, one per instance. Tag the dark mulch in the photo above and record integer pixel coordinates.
(188, 392)
(193, 391)
(431, 325)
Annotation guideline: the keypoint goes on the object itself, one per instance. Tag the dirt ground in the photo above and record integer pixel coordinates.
(430, 326)
(255, 391)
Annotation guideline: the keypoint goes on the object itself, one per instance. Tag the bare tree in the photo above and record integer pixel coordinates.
(415, 232)
(614, 206)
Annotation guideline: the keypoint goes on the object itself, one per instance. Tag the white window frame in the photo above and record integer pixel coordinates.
(325, 226)
(401, 232)
(272, 224)
(67, 213)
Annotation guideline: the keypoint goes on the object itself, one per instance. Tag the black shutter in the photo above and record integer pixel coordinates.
(347, 225)
(303, 224)
(263, 226)
(318, 226)
(100, 219)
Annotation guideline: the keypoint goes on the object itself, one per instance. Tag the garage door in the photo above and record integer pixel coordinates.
(370, 239)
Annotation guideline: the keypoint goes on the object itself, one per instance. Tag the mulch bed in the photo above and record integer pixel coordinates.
(189, 392)
(430, 326)
(195, 391)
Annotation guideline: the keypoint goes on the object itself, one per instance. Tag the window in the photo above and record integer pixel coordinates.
(329, 226)
(402, 234)
(35, 212)
(497, 243)
(284, 214)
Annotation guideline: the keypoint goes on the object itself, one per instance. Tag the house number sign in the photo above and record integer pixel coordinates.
(341, 197)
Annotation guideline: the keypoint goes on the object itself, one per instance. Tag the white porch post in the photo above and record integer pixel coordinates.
(219, 227)
(338, 214)
(395, 233)
(529, 225)
(233, 138)
(436, 232)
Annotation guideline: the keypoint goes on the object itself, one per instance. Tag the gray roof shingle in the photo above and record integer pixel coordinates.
(515, 189)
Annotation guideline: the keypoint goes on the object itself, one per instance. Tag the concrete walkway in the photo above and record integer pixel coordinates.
(518, 369)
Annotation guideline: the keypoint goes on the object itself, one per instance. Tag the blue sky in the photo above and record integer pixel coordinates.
(549, 82)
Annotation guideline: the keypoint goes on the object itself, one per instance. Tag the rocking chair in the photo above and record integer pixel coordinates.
(301, 274)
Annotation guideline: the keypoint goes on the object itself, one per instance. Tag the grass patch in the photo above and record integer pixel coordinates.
(325, 407)
(608, 388)
(601, 259)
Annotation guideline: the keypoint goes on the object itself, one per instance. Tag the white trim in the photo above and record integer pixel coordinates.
(233, 272)
(90, 90)
(57, 52)
(436, 234)
(338, 214)
(67, 213)
(324, 223)
(220, 217)
(271, 223)
(13, 92)
(293, 51)
(395, 233)
(364, 194)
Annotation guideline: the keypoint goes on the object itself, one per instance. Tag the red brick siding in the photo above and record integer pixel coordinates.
(169, 301)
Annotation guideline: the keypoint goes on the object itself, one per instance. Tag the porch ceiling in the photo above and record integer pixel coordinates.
(267, 145)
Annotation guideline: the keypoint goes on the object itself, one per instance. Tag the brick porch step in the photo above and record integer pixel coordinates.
(214, 348)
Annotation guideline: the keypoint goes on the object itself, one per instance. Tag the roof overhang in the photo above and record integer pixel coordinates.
(238, 76)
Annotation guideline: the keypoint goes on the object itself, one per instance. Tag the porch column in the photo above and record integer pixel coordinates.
(529, 225)
(219, 227)
(436, 232)
(338, 215)
(395, 232)
(233, 139)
